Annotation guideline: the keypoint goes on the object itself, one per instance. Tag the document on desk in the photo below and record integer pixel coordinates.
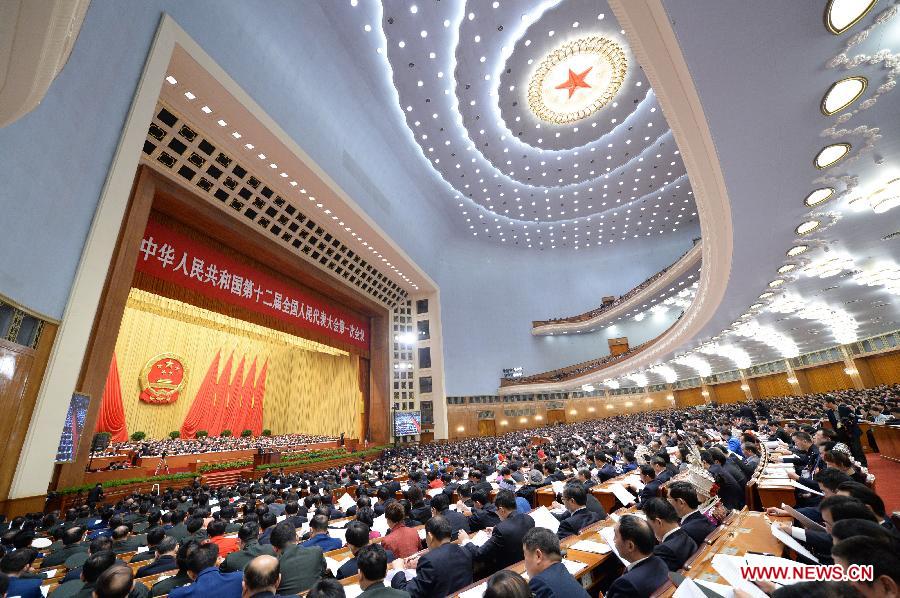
(432, 492)
(480, 538)
(380, 525)
(800, 486)
(573, 567)
(764, 561)
(609, 536)
(476, 592)
(333, 564)
(729, 567)
(717, 588)
(558, 487)
(791, 543)
(688, 589)
(625, 497)
(590, 546)
(353, 590)
(633, 480)
(544, 518)
(805, 521)
(346, 501)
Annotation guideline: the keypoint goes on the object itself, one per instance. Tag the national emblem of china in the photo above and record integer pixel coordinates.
(162, 379)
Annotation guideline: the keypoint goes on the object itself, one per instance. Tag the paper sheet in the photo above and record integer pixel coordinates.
(590, 546)
(800, 486)
(45, 590)
(141, 549)
(573, 567)
(353, 590)
(340, 534)
(609, 536)
(422, 533)
(476, 592)
(380, 525)
(409, 573)
(346, 501)
(764, 560)
(625, 497)
(718, 588)
(791, 543)
(729, 567)
(688, 589)
(544, 518)
(334, 564)
(805, 521)
(50, 573)
(280, 518)
(558, 487)
(480, 539)
(434, 491)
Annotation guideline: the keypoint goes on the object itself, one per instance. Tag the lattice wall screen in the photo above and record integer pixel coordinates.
(174, 145)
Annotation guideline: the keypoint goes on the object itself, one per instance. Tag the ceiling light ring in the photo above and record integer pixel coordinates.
(825, 165)
(831, 195)
(610, 51)
(864, 85)
(834, 30)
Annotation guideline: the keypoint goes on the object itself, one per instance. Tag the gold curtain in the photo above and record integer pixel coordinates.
(310, 387)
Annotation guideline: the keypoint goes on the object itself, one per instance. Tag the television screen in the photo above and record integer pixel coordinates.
(407, 423)
(73, 428)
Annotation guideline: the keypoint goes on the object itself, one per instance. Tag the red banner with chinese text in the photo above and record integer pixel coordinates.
(176, 258)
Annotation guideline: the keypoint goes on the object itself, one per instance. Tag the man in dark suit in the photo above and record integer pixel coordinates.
(262, 576)
(577, 515)
(292, 514)
(441, 571)
(250, 548)
(483, 513)
(300, 567)
(357, 537)
(165, 558)
(548, 577)
(504, 547)
(730, 491)
(208, 580)
(16, 565)
(675, 546)
(154, 537)
(179, 529)
(161, 588)
(651, 485)
(372, 561)
(440, 505)
(662, 472)
(683, 497)
(645, 572)
(71, 545)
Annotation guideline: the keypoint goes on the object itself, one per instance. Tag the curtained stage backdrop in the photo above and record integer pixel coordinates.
(228, 373)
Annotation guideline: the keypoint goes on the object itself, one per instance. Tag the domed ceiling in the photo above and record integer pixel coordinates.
(537, 118)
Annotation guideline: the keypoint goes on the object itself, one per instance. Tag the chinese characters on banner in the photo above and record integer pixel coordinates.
(176, 258)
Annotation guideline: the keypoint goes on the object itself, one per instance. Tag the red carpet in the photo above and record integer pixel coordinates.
(887, 480)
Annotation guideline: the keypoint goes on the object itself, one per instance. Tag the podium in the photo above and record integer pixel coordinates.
(266, 458)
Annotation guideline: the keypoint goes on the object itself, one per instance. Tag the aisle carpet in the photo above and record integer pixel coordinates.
(887, 480)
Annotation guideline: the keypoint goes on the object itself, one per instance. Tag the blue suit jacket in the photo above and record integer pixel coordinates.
(25, 587)
(211, 582)
(697, 526)
(440, 572)
(556, 582)
(326, 543)
(643, 579)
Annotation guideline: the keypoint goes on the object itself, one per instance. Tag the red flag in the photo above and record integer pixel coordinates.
(258, 392)
(112, 412)
(202, 406)
(232, 420)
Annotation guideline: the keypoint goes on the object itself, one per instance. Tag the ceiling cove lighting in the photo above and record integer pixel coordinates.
(841, 15)
(807, 227)
(831, 154)
(886, 198)
(819, 196)
(843, 93)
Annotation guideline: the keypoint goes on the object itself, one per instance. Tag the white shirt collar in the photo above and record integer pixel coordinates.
(689, 514)
(633, 564)
(667, 534)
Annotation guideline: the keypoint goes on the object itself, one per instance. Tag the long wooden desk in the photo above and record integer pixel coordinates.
(888, 439)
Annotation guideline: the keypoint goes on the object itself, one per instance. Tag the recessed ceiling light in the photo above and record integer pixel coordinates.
(171, 79)
(206, 109)
(776, 283)
(797, 250)
(236, 135)
(841, 15)
(831, 154)
(189, 95)
(886, 198)
(766, 295)
(819, 196)
(786, 268)
(367, 27)
(843, 93)
(414, 9)
(807, 227)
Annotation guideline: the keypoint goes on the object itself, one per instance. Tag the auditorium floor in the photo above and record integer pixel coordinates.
(887, 480)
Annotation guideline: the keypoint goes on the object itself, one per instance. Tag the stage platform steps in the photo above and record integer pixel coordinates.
(224, 478)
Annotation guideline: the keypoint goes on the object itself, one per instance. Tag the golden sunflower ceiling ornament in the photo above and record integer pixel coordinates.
(577, 79)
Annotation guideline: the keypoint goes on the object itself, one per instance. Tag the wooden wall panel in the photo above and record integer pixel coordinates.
(689, 397)
(775, 385)
(828, 377)
(729, 392)
(885, 367)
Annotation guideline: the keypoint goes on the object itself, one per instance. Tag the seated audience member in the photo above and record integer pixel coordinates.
(300, 566)
(675, 546)
(327, 588)
(179, 529)
(645, 572)
(71, 544)
(401, 540)
(357, 537)
(683, 496)
(483, 513)
(292, 513)
(215, 531)
(115, 582)
(163, 587)
(651, 485)
(154, 537)
(871, 499)
(267, 521)
(847, 528)
(548, 577)
(881, 556)
(440, 505)
(207, 579)
(319, 537)
(504, 547)
(372, 561)
(262, 577)
(815, 589)
(15, 565)
(444, 569)
(730, 491)
(577, 515)
(166, 551)
(250, 548)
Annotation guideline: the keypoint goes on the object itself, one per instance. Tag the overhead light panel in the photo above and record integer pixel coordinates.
(841, 15)
(843, 93)
(831, 154)
(819, 196)
(807, 227)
